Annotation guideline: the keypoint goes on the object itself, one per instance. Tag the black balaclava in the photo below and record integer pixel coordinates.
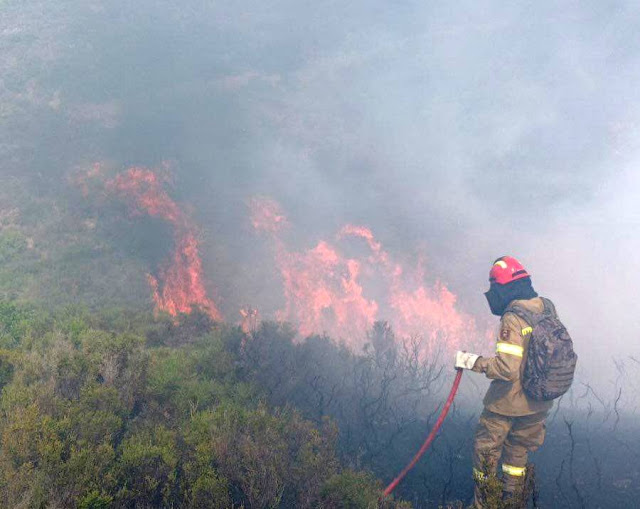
(499, 296)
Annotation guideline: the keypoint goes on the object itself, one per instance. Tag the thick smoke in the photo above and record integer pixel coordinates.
(458, 133)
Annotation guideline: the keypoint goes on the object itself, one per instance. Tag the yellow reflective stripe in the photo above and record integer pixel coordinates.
(510, 349)
(479, 475)
(527, 330)
(514, 471)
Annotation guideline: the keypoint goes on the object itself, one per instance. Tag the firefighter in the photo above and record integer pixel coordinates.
(512, 424)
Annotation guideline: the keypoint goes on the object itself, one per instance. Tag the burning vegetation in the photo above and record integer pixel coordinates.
(325, 289)
(328, 291)
(177, 285)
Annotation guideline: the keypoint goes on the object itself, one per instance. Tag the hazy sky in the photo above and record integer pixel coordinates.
(464, 129)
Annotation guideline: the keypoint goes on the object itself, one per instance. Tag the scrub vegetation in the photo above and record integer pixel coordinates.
(124, 410)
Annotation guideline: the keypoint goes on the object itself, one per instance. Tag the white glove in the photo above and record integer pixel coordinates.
(465, 360)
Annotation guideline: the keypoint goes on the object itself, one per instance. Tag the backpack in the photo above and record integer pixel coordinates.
(551, 361)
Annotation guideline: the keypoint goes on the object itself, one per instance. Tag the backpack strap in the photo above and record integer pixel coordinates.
(549, 307)
(531, 318)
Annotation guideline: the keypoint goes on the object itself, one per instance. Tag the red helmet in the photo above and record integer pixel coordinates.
(507, 269)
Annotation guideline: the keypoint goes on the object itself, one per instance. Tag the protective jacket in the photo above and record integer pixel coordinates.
(505, 395)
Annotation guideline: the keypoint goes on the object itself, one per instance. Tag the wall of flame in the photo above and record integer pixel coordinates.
(325, 290)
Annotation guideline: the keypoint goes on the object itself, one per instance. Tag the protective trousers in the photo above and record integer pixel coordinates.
(511, 438)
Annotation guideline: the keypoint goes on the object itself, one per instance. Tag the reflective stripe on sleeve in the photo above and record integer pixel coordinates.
(509, 349)
(514, 471)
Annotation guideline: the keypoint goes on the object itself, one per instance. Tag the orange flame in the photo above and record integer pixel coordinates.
(417, 308)
(325, 291)
(323, 294)
(321, 288)
(179, 287)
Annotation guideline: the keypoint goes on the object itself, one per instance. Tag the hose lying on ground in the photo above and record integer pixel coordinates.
(432, 435)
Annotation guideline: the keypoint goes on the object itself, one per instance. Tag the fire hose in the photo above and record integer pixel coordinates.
(430, 438)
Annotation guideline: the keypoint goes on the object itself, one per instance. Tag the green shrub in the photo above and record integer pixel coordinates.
(148, 468)
(92, 418)
(12, 244)
(208, 491)
(15, 323)
(95, 500)
(356, 490)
